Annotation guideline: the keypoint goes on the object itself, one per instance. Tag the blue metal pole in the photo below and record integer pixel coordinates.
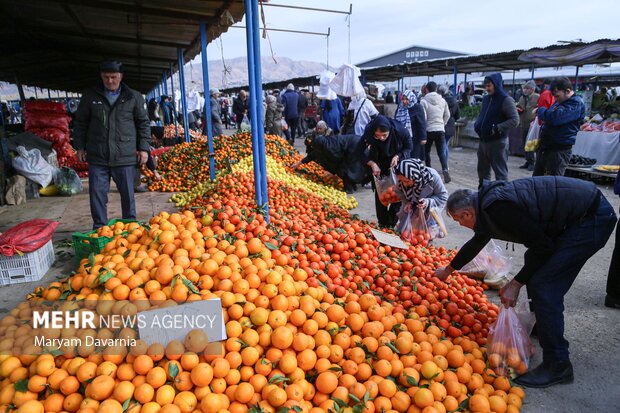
(249, 28)
(174, 103)
(513, 84)
(532, 71)
(183, 99)
(456, 74)
(49, 94)
(165, 82)
(205, 83)
(258, 86)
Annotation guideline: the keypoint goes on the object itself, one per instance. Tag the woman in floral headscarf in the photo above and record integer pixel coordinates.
(411, 114)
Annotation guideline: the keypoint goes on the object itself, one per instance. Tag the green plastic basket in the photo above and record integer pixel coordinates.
(84, 244)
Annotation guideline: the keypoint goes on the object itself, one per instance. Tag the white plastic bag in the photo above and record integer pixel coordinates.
(32, 165)
(509, 348)
(325, 92)
(346, 82)
(531, 141)
(491, 264)
(245, 124)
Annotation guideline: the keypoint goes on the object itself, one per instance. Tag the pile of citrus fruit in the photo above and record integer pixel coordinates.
(187, 164)
(294, 343)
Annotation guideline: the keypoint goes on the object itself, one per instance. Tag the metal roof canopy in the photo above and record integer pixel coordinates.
(58, 44)
(495, 62)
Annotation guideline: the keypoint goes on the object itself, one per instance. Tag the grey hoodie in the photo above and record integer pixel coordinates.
(437, 112)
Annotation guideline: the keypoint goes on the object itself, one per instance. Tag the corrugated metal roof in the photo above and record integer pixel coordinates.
(58, 44)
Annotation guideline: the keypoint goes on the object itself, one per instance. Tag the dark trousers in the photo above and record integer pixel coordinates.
(613, 278)
(99, 186)
(552, 162)
(552, 281)
(386, 215)
(440, 145)
(493, 155)
(530, 157)
(293, 124)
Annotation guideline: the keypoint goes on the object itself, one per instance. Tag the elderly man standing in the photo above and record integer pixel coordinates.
(216, 114)
(562, 222)
(112, 134)
(525, 107)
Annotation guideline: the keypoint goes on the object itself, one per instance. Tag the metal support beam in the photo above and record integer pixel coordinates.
(532, 71)
(513, 84)
(285, 31)
(174, 107)
(456, 75)
(183, 97)
(49, 94)
(165, 82)
(260, 118)
(205, 84)
(577, 78)
(254, 114)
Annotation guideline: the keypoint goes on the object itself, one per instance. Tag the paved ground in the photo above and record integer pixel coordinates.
(592, 329)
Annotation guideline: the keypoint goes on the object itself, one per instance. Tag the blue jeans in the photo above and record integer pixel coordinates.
(445, 148)
(552, 281)
(99, 186)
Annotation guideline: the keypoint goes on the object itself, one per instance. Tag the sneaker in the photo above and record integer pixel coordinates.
(446, 177)
(612, 302)
(525, 166)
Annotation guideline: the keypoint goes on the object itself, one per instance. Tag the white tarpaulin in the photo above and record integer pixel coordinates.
(325, 92)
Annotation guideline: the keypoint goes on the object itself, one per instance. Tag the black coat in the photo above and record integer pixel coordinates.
(553, 202)
(455, 114)
(111, 135)
(342, 155)
(398, 143)
(240, 107)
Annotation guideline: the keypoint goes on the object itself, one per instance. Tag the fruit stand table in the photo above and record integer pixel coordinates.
(602, 146)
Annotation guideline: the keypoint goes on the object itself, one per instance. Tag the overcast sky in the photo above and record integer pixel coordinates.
(380, 27)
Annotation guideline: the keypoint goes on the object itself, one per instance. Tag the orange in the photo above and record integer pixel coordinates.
(479, 404)
(326, 382)
(100, 388)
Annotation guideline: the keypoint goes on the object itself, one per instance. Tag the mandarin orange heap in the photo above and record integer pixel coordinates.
(290, 344)
(187, 164)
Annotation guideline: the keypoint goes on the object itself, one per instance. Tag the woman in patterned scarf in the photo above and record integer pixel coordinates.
(419, 185)
(411, 115)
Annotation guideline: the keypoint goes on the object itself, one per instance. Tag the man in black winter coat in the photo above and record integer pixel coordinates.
(241, 108)
(112, 133)
(562, 222)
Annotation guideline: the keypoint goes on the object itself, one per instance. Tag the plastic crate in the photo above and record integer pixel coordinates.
(29, 267)
(84, 244)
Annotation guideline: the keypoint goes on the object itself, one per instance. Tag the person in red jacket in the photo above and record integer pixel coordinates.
(546, 98)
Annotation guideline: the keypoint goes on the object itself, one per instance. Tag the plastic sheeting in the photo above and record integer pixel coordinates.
(571, 56)
(346, 82)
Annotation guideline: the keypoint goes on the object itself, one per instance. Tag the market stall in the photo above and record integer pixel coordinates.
(602, 146)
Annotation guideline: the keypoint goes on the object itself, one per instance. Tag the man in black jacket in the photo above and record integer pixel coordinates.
(111, 132)
(562, 222)
(241, 107)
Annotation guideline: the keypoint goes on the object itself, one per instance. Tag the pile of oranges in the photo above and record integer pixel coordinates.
(187, 164)
(292, 343)
(110, 231)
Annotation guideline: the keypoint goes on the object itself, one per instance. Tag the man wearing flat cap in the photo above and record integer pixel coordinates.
(112, 134)
(525, 107)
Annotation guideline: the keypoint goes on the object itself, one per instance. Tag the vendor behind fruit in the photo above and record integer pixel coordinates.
(562, 222)
(419, 186)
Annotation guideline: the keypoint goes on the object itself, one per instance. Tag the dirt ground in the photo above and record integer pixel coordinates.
(592, 329)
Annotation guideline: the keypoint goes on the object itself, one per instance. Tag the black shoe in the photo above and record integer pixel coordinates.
(525, 166)
(530, 168)
(612, 302)
(141, 188)
(446, 177)
(547, 374)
